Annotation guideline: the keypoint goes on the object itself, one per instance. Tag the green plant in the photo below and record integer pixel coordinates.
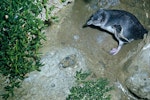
(89, 89)
(20, 39)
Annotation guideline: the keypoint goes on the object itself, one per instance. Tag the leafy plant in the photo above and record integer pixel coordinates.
(89, 90)
(20, 39)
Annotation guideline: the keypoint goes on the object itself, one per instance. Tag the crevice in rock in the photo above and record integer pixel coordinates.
(136, 96)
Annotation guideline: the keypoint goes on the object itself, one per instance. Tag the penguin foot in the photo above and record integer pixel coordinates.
(114, 51)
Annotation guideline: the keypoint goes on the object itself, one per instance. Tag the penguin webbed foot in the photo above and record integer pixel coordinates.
(114, 51)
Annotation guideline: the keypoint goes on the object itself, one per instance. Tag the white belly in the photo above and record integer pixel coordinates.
(109, 29)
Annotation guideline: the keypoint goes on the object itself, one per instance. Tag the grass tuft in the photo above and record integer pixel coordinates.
(89, 89)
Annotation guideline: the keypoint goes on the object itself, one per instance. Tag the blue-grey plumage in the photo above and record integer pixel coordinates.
(124, 25)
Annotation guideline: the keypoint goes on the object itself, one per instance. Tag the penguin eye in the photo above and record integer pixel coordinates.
(95, 18)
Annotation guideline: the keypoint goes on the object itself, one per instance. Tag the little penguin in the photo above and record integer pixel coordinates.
(122, 24)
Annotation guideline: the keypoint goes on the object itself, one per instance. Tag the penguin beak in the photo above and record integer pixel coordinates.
(87, 24)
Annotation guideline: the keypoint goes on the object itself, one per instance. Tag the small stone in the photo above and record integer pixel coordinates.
(6, 17)
(68, 61)
(52, 85)
(76, 37)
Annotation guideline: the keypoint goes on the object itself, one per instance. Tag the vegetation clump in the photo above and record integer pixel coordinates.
(89, 89)
(20, 38)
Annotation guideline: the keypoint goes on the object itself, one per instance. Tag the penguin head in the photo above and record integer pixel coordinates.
(96, 19)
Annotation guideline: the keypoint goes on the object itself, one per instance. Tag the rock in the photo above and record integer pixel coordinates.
(69, 61)
(58, 5)
(108, 3)
(139, 85)
(138, 72)
(96, 4)
(56, 77)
